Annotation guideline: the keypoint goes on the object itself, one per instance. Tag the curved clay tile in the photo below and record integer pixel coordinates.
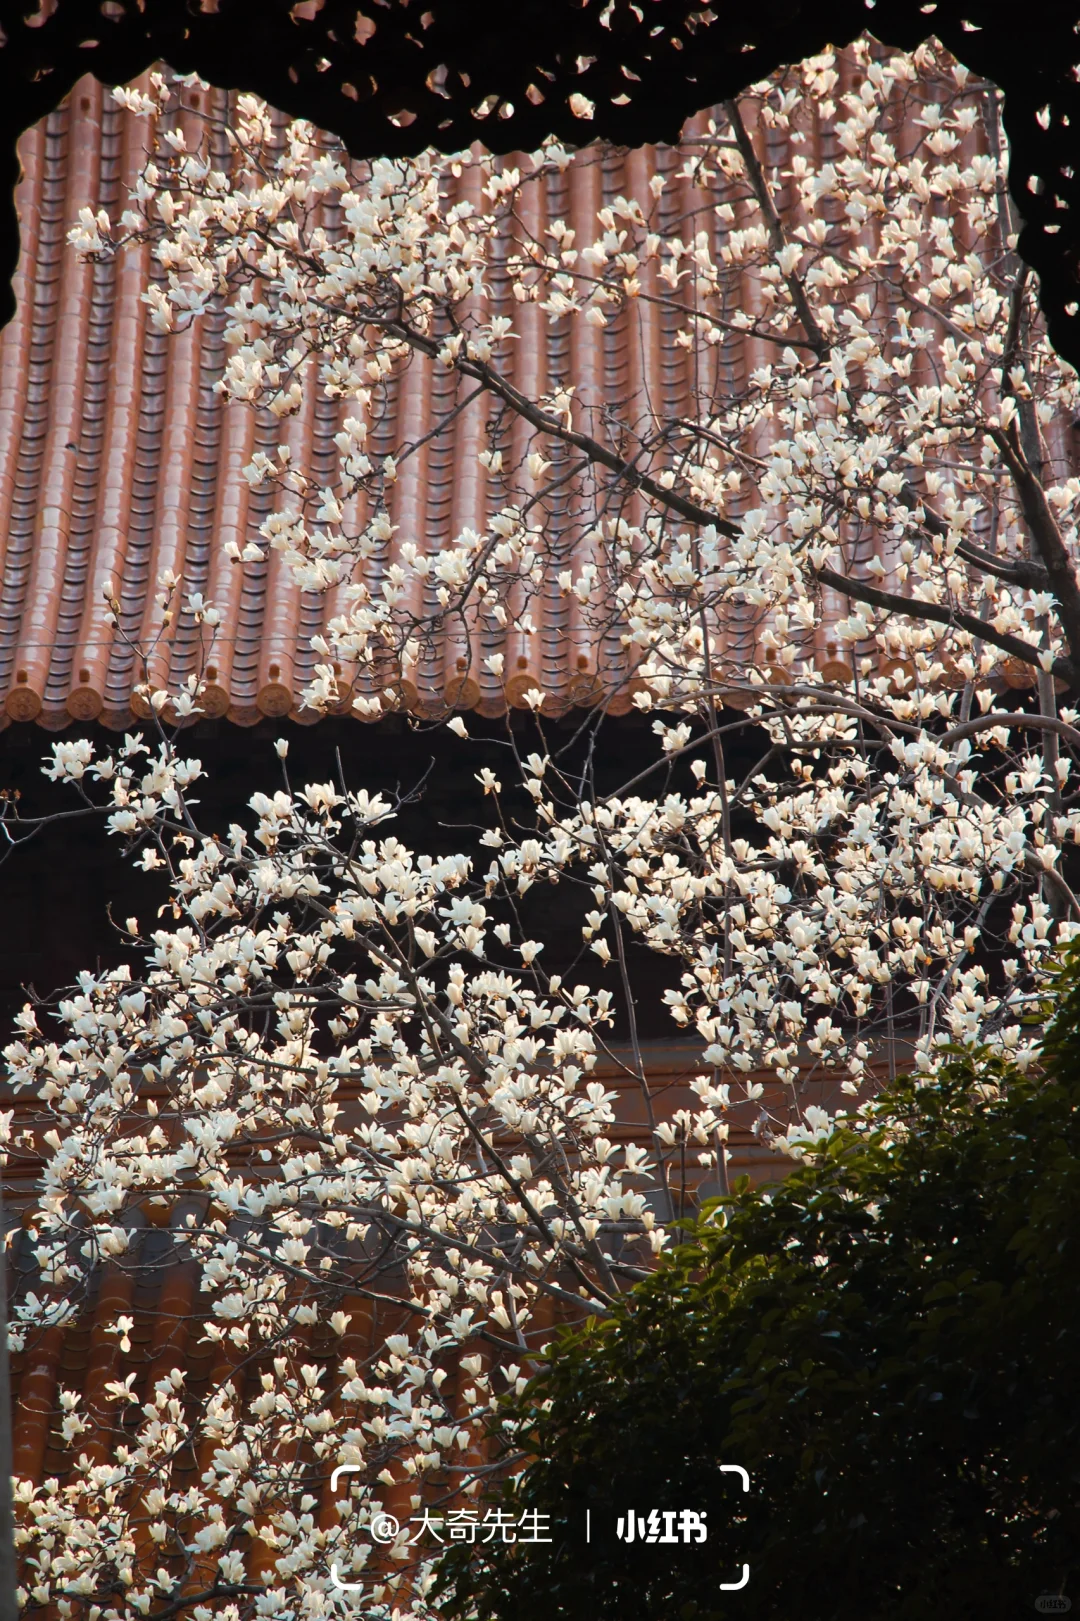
(70, 691)
(278, 689)
(420, 397)
(136, 584)
(246, 628)
(168, 547)
(114, 1299)
(15, 352)
(34, 1403)
(42, 311)
(231, 520)
(33, 656)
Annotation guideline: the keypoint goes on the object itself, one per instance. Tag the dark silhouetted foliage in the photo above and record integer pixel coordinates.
(889, 1341)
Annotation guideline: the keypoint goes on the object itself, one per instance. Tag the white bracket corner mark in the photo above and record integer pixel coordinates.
(736, 1469)
(345, 1469)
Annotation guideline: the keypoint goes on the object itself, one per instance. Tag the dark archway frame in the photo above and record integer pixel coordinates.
(393, 76)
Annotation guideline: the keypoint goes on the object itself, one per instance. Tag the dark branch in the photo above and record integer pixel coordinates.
(1034, 723)
(888, 602)
(756, 175)
(1046, 535)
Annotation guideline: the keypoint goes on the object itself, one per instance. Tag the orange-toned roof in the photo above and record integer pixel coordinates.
(118, 459)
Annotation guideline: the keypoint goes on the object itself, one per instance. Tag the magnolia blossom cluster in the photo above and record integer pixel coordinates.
(860, 909)
(841, 580)
(861, 531)
(343, 1084)
(358, 1105)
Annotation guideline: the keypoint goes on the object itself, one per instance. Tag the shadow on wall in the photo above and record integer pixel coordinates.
(66, 894)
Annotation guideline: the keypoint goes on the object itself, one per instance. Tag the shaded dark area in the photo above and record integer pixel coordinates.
(406, 74)
(62, 892)
(66, 893)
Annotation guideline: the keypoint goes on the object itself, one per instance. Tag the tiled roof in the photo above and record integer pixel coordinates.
(118, 459)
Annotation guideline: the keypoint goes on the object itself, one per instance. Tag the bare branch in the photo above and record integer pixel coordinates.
(889, 602)
(1047, 536)
(996, 717)
(777, 236)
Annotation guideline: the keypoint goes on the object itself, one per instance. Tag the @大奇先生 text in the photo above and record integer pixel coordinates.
(465, 1525)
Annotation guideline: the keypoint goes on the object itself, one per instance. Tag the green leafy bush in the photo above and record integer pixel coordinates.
(889, 1341)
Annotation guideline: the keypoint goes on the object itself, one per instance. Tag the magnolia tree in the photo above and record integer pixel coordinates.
(343, 1075)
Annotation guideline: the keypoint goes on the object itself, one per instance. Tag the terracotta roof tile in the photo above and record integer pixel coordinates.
(117, 459)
